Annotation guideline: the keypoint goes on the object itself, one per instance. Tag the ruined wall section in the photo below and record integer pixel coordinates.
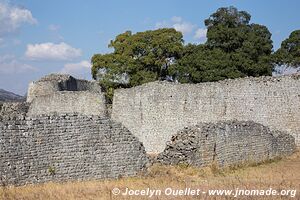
(154, 111)
(10, 110)
(83, 102)
(226, 143)
(61, 93)
(66, 147)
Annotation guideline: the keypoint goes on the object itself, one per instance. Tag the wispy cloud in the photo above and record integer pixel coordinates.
(79, 69)
(178, 24)
(13, 17)
(51, 51)
(200, 33)
(53, 27)
(2, 43)
(9, 64)
(183, 26)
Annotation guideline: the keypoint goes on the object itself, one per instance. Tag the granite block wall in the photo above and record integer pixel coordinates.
(52, 83)
(66, 147)
(226, 143)
(83, 102)
(154, 111)
(62, 93)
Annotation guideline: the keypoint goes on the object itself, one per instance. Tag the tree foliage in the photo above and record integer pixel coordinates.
(138, 58)
(200, 64)
(289, 52)
(234, 48)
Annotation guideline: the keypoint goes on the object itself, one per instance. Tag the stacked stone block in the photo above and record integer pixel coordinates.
(154, 111)
(226, 143)
(66, 147)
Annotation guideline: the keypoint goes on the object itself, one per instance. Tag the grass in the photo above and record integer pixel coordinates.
(278, 174)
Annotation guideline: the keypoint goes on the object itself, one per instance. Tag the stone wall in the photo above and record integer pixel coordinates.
(66, 147)
(52, 83)
(62, 93)
(154, 111)
(10, 110)
(82, 102)
(226, 143)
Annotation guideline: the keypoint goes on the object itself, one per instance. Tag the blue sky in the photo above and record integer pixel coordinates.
(38, 37)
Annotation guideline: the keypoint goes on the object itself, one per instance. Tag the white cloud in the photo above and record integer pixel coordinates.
(183, 26)
(200, 33)
(178, 24)
(51, 51)
(176, 19)
(53, 27)
(13, 17)
(78, 69)
(9, 64)
(162, 24)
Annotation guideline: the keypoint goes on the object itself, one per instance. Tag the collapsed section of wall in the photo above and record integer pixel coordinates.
(154, 111)
(66, 147)
(226, 143)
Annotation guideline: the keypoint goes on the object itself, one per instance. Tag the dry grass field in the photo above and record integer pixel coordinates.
(283, 174)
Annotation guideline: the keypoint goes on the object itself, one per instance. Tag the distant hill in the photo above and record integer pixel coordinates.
(9, 96)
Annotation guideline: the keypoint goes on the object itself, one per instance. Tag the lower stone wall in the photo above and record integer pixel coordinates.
(10, 110)
(66, 147)
(154, 111)
(226, 143)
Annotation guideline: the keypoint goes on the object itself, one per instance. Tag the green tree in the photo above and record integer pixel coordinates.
(138, 58)
(227, 29)
(200, 64)
(234, 48)
(289, 52)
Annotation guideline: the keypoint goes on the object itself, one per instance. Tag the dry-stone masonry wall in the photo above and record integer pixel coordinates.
(9, 110)
(226, 143)
(66, 147)
(154, 111)
(63, 132)
(52, 83)
(60, 93)
(83, 102)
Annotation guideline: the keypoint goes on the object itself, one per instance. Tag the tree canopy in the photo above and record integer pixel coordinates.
(200, 64)
(234, 48)
(138, 58)
(289, 52)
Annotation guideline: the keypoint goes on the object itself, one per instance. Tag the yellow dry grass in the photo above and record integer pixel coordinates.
(279, 174)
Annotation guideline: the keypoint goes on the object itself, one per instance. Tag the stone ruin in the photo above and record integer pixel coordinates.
(63, 131)
(226, 143)
(59, 93)
(155, 111)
